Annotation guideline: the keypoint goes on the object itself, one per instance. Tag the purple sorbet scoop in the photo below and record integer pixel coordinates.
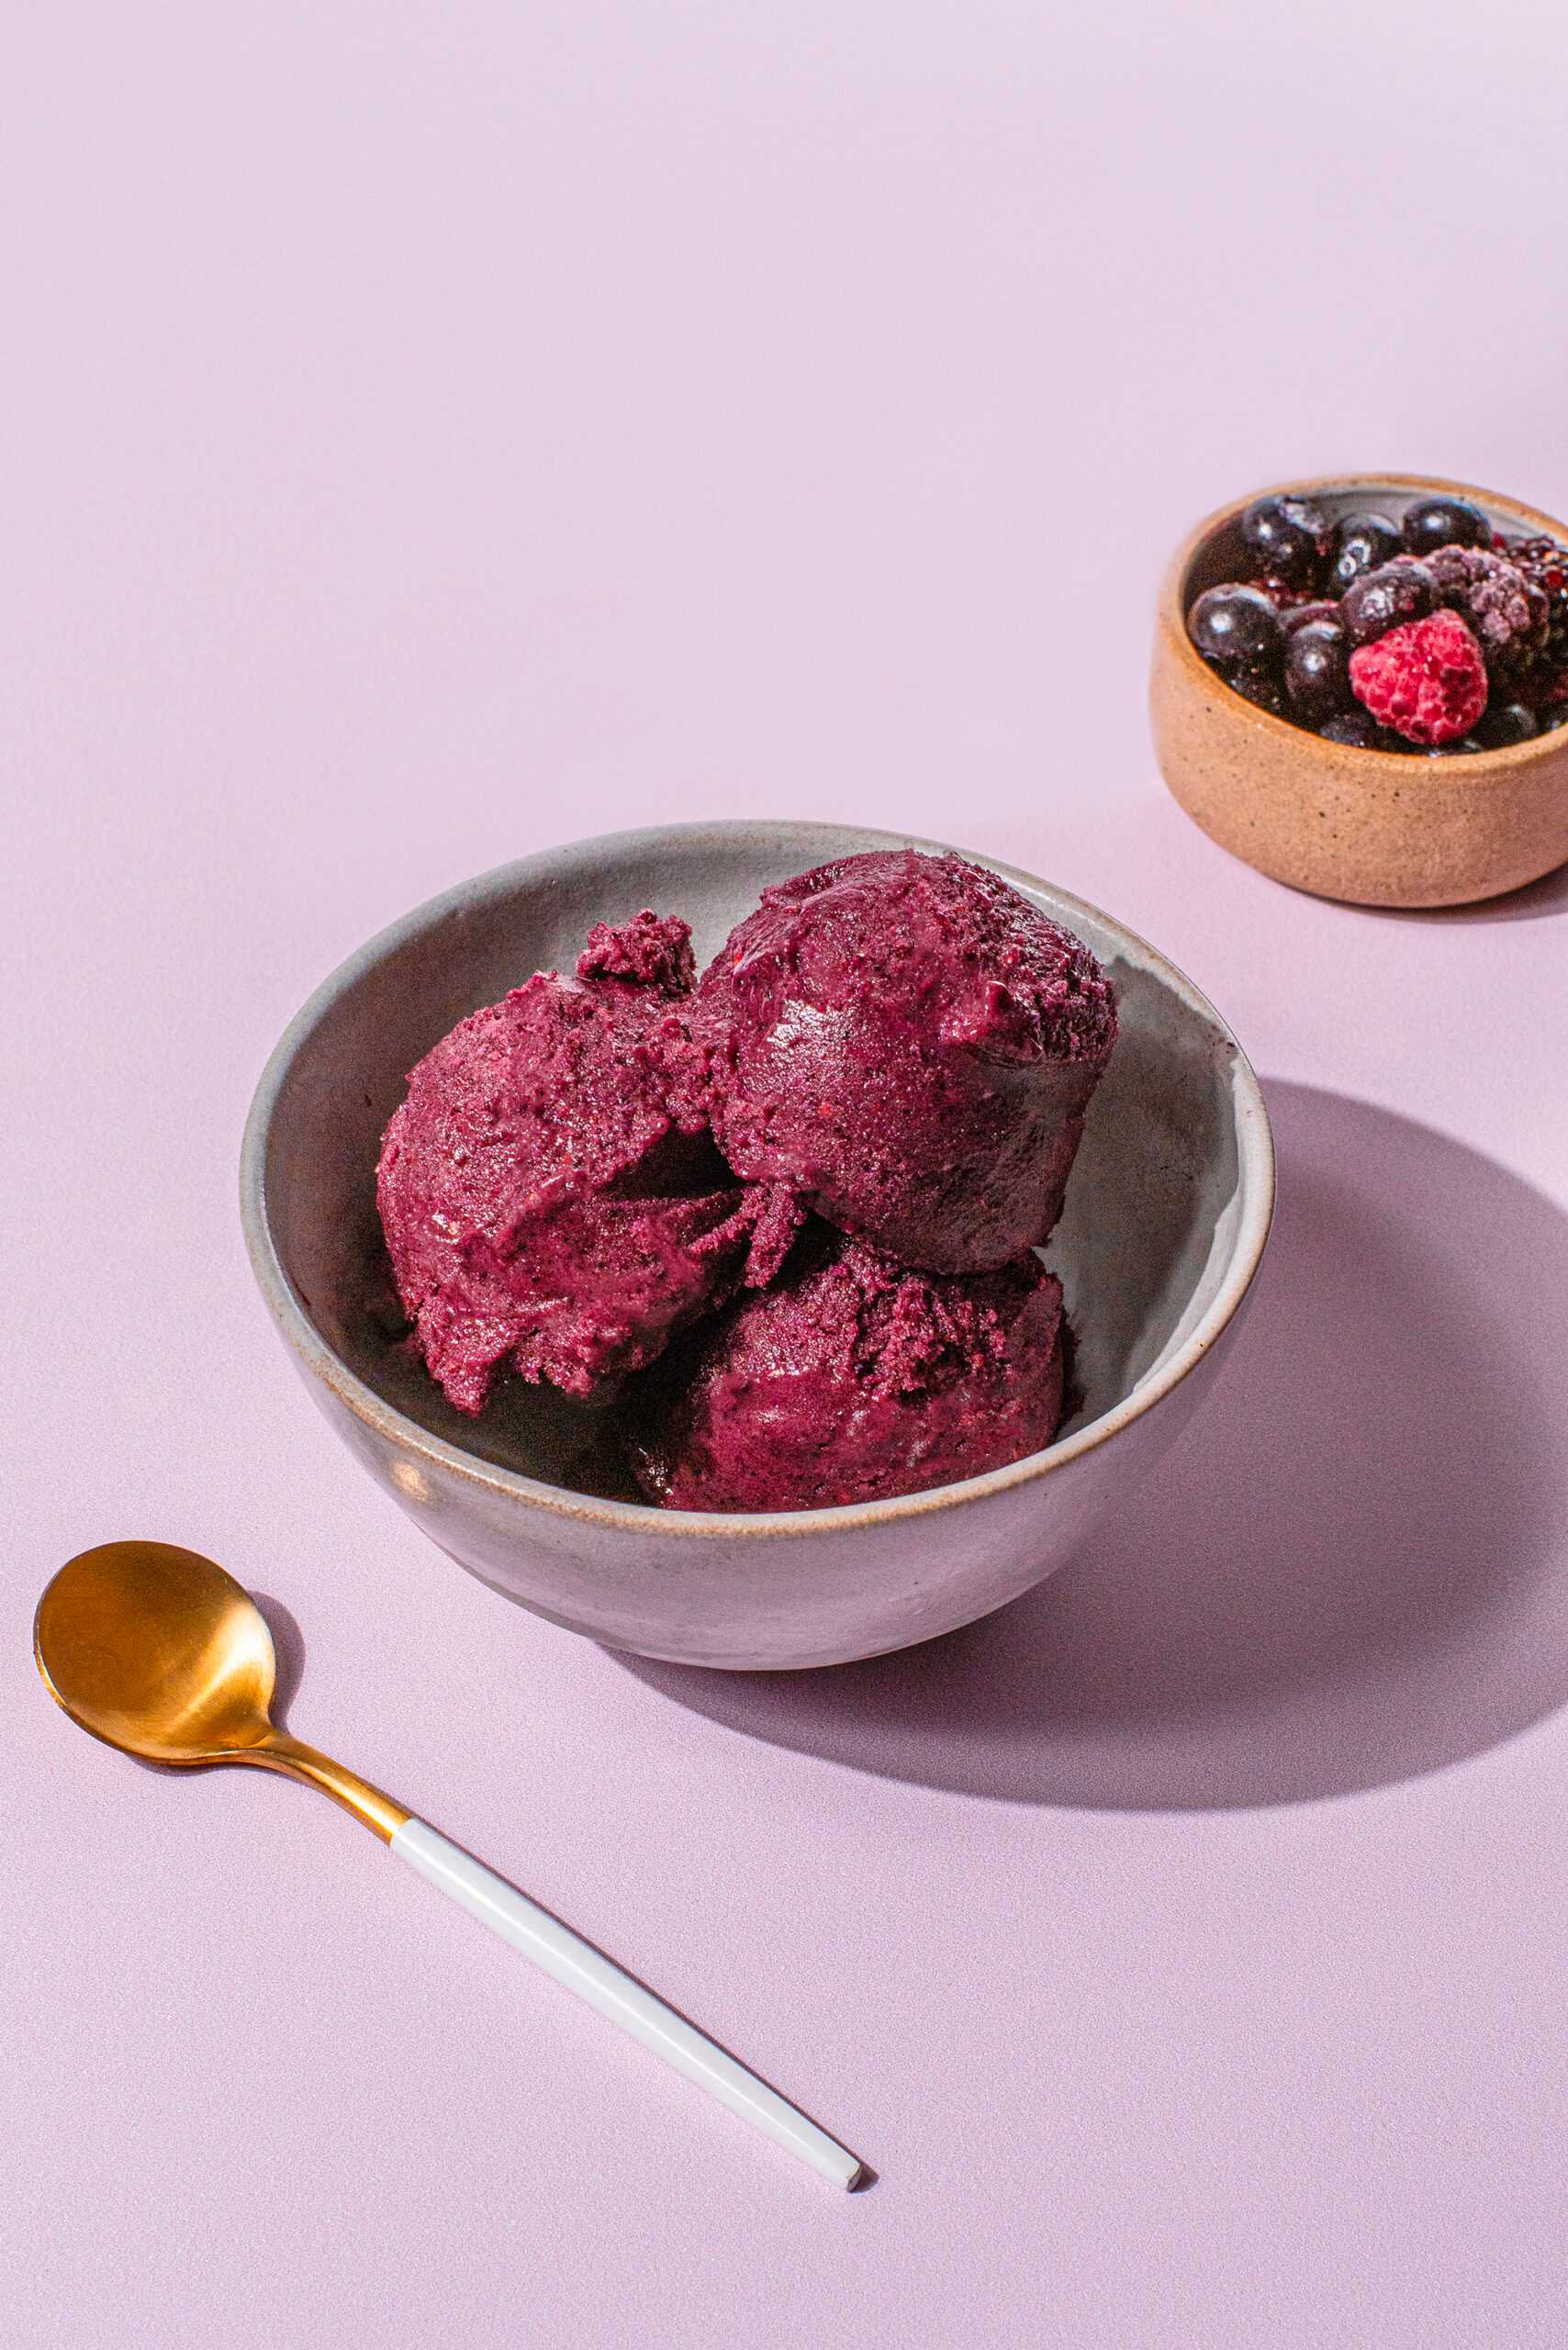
(550, 1194)
(851, 1379)
(909, 1046)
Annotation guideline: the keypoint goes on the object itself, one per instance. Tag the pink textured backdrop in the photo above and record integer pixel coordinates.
(435, 433)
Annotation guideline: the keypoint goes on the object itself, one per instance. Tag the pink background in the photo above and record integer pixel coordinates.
(435, 433)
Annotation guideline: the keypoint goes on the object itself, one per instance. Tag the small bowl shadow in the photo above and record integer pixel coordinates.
(1537, 901)
(1349, 1573)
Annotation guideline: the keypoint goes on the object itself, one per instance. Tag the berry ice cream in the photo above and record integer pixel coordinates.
(850, 1379)
(909, 1047)
(550, 1194)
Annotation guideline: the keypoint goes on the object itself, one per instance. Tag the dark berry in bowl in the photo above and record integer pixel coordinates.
(1287, 538)
(1504, 724)
(1545, 565)
(1508, 610)
(1234, 623)
(1258, 681)
(1360, 543)
(1317, 672)
(1317, 608)
(1358, 729)
(1428, 679)
(1386, 599)
(1445, 522)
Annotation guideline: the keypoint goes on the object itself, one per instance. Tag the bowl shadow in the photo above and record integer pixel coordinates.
(1534, 902)
(1347, 1573)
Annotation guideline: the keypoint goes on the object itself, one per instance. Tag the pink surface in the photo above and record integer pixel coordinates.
(435, 434)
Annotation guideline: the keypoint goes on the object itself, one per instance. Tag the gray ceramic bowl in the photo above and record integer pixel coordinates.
(1166, 1218)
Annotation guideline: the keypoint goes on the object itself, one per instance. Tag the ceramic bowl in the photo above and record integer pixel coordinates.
(1166, 1217)
(1372, 827)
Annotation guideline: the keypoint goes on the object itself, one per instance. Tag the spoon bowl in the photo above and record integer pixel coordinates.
(158, 1651)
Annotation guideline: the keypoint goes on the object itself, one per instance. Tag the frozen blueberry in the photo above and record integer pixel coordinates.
(1286, 538)
(1387, 598)
(1360, 543)
(1317, 671)
(1232, 623)
(1445, 522)
(1258, 681)
(1509, 723)
(1303, 615)
(1357, 728)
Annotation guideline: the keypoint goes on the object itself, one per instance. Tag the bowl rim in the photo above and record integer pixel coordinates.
(1255, 1155)
(1479, 766)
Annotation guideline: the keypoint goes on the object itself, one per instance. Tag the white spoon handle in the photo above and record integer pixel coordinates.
(617, 1995)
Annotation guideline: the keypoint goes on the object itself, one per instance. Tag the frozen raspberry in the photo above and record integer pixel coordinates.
(1427, 680)
(1508, 611)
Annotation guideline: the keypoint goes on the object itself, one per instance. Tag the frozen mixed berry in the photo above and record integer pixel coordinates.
(1545, 565)
(1317, 673)
(1360, 543)
(1425, 679)
(1234, 623)
(1258, 681)
(1315, 592)
(1506, 724)
(1357, 728)
(1445, 522)
(1284, 598)
(1316, 608)
(1287, 539)
(1508, 613)
(1396, 592)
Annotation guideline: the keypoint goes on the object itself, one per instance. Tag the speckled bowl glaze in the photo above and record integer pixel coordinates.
(1371, 827)
(1166, 1218)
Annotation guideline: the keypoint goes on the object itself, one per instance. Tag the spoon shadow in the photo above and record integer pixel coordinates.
(288, 1643)
(1349, 1573)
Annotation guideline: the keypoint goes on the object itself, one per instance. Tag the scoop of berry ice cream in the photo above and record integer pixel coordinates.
(851, 1379)
(551, 1197)
(909, 1046)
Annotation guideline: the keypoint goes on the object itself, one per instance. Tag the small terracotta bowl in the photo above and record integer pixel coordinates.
(1166, 1217)
(1374, 828)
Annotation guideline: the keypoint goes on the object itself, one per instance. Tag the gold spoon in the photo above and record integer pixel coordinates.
(158, 1651)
